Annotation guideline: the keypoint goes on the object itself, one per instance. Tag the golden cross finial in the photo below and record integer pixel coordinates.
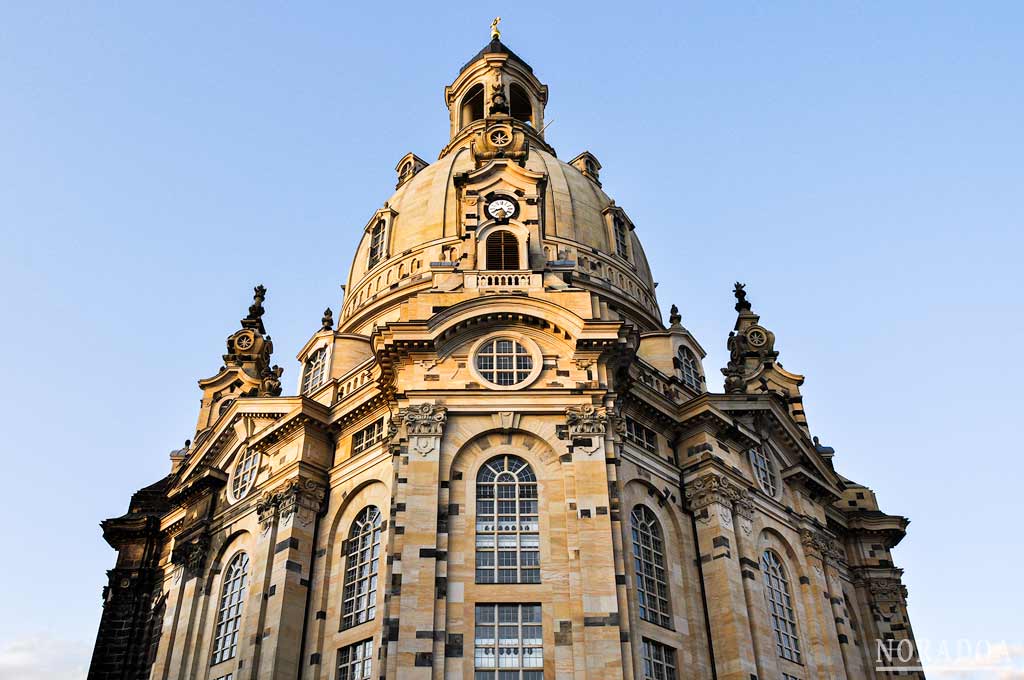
(495, 33)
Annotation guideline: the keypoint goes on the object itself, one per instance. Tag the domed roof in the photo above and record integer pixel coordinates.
(426, 211)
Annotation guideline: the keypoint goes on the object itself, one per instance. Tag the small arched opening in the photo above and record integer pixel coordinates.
(502, 251)
(519, 104)
(473, 105)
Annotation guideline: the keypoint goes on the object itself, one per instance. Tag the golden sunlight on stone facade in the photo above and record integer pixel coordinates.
(498, 463)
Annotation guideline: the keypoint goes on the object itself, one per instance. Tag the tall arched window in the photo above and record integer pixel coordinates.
(229, 611)
(362, 562)
(313, 372)
(502, 251)
(507, 527)
(689, 367)
(649, 565)
(780, 606)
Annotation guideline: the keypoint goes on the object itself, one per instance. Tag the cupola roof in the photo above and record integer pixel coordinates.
(496, 47)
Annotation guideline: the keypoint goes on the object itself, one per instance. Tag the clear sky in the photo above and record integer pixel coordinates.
(858, 165)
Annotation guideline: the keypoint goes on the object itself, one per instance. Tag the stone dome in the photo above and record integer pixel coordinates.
(435, 222)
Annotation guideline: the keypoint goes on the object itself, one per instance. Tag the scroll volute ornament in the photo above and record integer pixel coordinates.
(300, 498)
(424, 425)
(500, 139)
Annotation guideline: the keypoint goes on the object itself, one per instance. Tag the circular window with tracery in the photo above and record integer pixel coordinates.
(505, 362)
(244, 474)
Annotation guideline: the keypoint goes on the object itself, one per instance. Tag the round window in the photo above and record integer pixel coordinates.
(244, 473)
(506, 363)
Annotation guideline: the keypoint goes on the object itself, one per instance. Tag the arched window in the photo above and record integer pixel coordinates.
(764, 470)
(507, 527)
(690, 368)
(473, 105)
(229, 611)
(621, 237)
(376, 244)
(519, 104)
(780, 606)
(649, 565)
(313, 372)
(362, 562)
(502, 251)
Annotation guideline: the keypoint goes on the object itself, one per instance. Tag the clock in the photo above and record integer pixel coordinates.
(757, 337)
(502, 208)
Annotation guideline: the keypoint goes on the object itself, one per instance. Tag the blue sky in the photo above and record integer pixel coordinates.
(859, 165)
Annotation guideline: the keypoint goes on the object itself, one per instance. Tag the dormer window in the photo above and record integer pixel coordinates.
(376, 244)
(621, 237)
(689, 368)
(314, 371)
(502, 251)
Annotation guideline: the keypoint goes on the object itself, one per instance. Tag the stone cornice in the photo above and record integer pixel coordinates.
(890, 528)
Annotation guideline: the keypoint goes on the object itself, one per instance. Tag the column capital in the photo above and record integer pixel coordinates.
(299, 498)
(715, 487)
(586, 421)
(424, 425)
(822, 545)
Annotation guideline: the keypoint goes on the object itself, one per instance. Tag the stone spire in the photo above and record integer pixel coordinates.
(327, 322)
(753, 366)
(247, 371)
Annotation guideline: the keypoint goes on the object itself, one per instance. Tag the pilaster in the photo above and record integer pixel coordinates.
(823, 553)
(710, 496)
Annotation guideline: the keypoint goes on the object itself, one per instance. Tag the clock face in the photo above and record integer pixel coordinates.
(501, 208)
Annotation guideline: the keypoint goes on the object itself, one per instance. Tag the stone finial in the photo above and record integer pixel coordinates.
(739, 290)
(674, 318)
(256, 308)
(327, 322)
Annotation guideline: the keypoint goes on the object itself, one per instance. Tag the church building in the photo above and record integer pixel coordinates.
(499, 463)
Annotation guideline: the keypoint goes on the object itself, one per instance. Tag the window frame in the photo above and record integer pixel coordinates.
(495, 627)
(640, 435)
(764, 469)
(781, 610)
(620, 232)
(689, 369)
(377, 247)
(512, 238)
(650, 569)
(227, 626)
(526, 568)
(531, 349)
(314, 371)
(364, 650)
(362, 577)
(362, 442)
(250, 458)
(649, 651)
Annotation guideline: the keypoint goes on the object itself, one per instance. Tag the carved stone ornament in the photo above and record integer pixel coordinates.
(711, 488)
(586, 421)
(190, 554)
(886, 590)
(424, 419)
(301, 499)
(821, 544)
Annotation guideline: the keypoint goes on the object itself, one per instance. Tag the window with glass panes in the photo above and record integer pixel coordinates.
(689, 368)
(620, 236)
(640, 435)
(245, 472)
(763, 470)
(355, 662)
(780, 606)
(649, 566)
(313, 373)
(659, 660)
(509, 643)
(368, 436)
(362, 562)
(229, 610)
(504, 362)
(507, 526)
(376, 244)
